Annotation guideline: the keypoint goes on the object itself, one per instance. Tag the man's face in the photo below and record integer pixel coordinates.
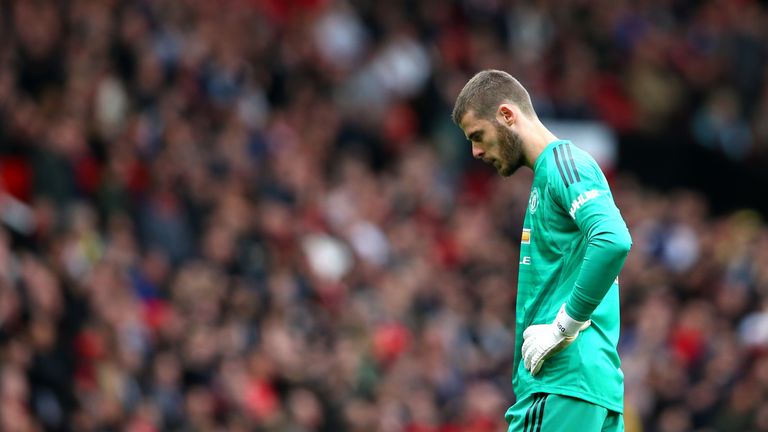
(493, 143)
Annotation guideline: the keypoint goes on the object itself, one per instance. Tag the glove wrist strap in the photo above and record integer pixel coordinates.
(565, 325)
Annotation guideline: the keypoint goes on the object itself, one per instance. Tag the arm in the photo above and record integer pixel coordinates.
(608, 243)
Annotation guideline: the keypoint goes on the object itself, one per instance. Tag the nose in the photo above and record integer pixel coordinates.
(477, 152)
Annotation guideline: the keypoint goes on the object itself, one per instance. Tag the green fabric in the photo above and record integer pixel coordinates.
(573, 246)
(600, 222)
(541, 412)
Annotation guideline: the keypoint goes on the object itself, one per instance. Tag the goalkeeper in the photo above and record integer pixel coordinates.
(567, 374)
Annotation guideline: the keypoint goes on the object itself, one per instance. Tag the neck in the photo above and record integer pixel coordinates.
(537, 140)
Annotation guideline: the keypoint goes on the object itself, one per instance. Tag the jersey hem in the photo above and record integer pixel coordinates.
(564, 391)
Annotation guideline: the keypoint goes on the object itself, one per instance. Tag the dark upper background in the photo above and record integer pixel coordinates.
(257, 215)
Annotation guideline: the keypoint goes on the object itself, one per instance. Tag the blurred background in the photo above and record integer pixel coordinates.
(256, 215)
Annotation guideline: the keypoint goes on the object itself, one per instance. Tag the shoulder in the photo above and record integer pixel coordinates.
(569, 165)
(566, 163)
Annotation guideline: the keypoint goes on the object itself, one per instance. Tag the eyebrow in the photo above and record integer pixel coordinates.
(475, 135)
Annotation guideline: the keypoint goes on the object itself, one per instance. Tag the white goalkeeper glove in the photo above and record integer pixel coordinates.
(542, 341)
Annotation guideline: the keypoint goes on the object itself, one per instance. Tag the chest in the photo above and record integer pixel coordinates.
(547, 227)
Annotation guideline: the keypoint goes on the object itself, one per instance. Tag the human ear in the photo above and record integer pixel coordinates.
(506, 114)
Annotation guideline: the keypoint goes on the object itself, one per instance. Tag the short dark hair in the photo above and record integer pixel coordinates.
(486, 91)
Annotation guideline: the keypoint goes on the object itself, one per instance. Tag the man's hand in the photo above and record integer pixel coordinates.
(542, 341)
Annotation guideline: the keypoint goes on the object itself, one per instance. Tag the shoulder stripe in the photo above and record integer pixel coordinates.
(541, 412)
(573, 164)
(563, 160)
(559, 168)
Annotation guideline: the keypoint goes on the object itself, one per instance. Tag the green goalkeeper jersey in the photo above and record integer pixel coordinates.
(573, 245)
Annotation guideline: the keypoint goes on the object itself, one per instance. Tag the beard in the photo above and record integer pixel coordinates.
(510, 151)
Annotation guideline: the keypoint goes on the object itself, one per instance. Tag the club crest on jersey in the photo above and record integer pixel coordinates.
(533, 202)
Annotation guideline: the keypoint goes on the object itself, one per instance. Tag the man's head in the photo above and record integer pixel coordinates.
(491, 109)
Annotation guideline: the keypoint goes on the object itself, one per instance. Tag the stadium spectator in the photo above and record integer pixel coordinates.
(256, 215)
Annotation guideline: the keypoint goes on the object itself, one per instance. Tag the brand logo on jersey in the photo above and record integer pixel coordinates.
(533, 202)
(582, 199)
(526, 260)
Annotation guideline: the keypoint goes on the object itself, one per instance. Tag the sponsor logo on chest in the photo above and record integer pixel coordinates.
(526, 237)
(526, 240)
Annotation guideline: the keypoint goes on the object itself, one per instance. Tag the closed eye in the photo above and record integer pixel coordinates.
(476, 136)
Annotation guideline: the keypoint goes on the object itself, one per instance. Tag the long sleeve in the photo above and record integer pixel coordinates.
(590, 204)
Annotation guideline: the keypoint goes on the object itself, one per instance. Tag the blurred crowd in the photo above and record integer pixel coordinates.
(256, 215)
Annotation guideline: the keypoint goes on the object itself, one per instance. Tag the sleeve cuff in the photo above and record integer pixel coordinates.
(576, 309)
